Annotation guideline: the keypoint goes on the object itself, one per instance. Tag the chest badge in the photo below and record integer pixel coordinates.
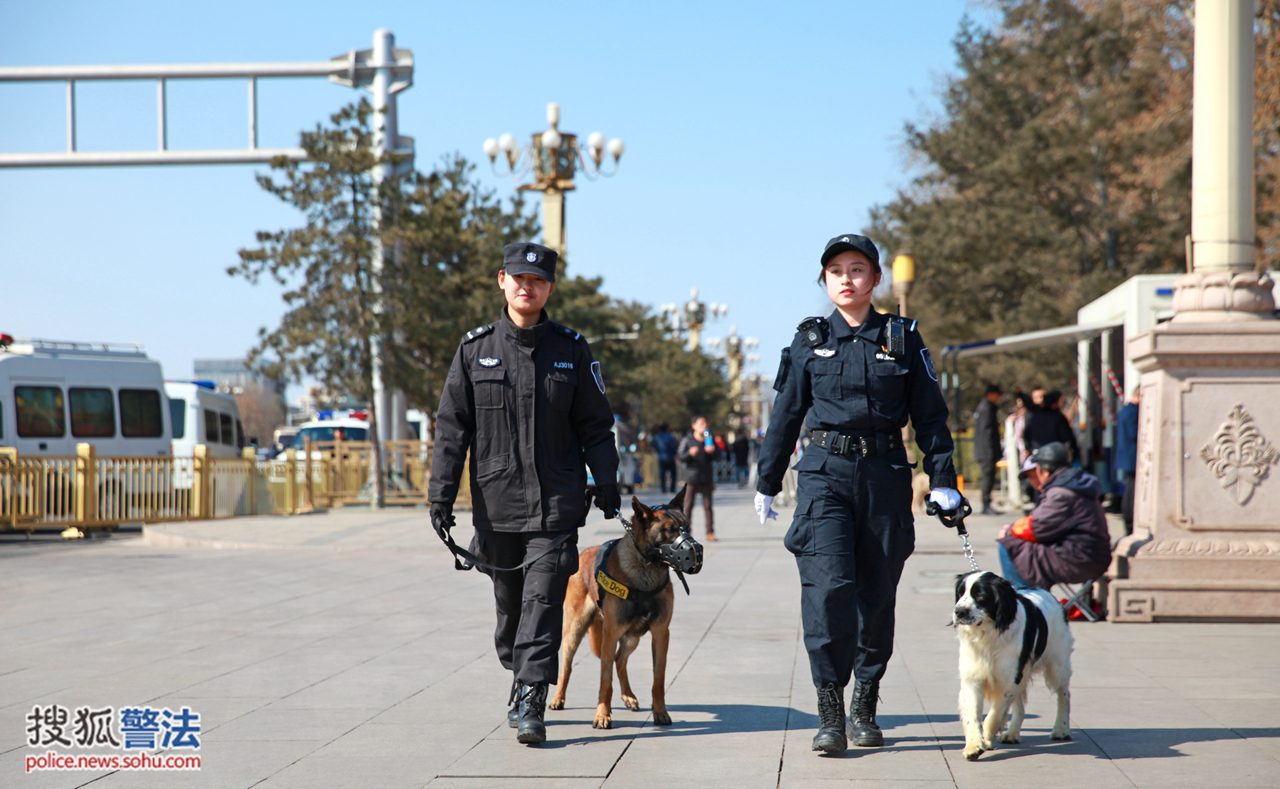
(884, 357)
(825, 353)
(489, 361)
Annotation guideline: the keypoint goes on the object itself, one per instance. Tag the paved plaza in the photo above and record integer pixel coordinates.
(342, 649)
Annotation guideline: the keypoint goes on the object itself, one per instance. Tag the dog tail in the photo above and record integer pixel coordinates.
(593, 635)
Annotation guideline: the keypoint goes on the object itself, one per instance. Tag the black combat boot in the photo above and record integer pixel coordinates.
(513, 714)
(532, 706)
(862, 715)
(830, 736)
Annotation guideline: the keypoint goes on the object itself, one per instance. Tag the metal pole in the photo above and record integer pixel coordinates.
(71, 116)
(253, 113)
(383, 117)
(160, 114)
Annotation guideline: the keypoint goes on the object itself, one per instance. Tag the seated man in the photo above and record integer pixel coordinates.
(1065, 538)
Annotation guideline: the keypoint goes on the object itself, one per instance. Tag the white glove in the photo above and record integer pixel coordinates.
(764, 508)
(947, 499)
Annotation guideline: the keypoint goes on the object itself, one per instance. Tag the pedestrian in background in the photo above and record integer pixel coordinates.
(1048, 424)
(741, 458)
(699, 454)
(986, 442)
(664, 445)
(853, 378)
(1126, 457)
(526, 403)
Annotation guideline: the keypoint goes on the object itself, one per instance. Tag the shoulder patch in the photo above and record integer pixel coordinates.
(784, 368)
(928, 364)
(478, 331)
(565, 330)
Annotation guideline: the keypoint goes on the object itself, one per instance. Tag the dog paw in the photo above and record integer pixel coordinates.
(631, 703)
(555, 704)
(1061, 734)
(661, 719)
(972, 752)
(1011, 738)
(602, 722)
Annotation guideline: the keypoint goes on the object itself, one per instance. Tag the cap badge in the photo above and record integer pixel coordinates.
(845, 239)
(532, 257)
(489, 361)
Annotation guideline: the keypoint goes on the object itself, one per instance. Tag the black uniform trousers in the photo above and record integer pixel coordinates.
(530, 602)
(851, 534)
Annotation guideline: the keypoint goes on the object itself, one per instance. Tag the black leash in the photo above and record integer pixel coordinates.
(465, 560)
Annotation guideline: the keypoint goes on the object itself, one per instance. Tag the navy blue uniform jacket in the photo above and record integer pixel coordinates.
(852, 385)
(530, 406)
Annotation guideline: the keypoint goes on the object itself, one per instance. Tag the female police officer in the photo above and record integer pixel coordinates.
(853, 378)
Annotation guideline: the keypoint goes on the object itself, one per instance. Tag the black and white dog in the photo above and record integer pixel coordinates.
(1005, 637)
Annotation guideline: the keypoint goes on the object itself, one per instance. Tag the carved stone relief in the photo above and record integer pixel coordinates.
(1239, 456)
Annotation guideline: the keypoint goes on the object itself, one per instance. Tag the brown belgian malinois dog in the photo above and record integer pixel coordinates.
(619, 596)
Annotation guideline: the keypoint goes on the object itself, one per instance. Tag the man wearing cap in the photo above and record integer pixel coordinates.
(853, 378)
(986, 442)
(1065, 538)
(526, 399)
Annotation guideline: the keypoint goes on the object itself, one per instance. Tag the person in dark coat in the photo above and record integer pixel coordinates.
(1048, 424)
(525, 400)
(698, 452)
(1065, 538)
(664, 445)
(986, 442)
(741, 457)
(1126, 453)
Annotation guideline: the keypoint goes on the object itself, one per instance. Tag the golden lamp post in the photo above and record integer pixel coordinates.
(553, 157)
(904, 276)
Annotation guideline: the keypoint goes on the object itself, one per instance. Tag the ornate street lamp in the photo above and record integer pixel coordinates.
(554, 158)
(904, 276)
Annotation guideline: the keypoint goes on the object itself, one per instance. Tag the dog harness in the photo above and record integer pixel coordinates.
(1035, 637)
(607, 583)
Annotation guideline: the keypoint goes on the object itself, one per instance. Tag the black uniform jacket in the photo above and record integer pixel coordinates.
(852, 385)
(986, 432)
(530, 406)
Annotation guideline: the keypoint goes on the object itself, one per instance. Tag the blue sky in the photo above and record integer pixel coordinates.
(754, 133)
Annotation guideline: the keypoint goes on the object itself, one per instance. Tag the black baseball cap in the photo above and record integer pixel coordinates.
(994, 389)
(1050, 457)
(527, 258)
(851, 242)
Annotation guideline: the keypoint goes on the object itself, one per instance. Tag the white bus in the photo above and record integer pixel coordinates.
(201, 415)
(54, 395)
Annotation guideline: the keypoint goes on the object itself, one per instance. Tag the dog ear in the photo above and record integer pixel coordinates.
(678, 502)
(641, 512)
(960, 585)
(1006, 603)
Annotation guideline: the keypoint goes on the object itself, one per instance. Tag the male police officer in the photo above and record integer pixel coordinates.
(526, 399)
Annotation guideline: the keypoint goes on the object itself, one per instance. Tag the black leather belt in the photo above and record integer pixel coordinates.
(867, 445)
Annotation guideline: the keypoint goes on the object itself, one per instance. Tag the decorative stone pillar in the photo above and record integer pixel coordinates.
(1206, 542)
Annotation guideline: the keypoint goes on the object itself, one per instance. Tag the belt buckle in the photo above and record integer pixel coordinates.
(862, 446)
(840, 445)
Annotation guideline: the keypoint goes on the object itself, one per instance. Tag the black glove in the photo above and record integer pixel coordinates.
(608, 498)
(442, 518)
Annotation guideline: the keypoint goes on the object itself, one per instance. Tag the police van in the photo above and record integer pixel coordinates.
(54, 395)
(200, 414)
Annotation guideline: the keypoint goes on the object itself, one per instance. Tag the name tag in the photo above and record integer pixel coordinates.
(611, 586)
(564, 365)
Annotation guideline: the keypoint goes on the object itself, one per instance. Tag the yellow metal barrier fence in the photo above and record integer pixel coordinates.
(94, 492)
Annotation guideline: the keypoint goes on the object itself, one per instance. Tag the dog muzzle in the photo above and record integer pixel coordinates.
(684, 554)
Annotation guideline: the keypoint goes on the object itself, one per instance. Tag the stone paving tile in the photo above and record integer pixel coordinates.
(379, 661)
